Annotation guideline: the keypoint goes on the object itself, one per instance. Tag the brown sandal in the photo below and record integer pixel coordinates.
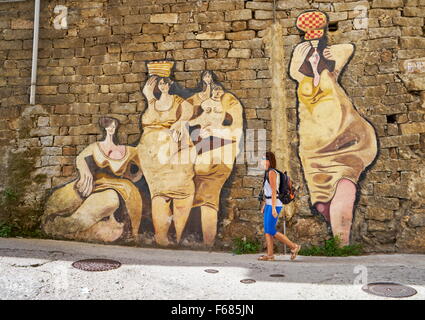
(294, 252)
(266, 258)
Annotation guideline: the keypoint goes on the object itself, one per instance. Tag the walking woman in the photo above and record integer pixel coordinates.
(271, 209)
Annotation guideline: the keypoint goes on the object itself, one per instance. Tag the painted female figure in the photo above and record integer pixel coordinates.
(167, 153)
(220, 132)
(336, 143)
(103, 204)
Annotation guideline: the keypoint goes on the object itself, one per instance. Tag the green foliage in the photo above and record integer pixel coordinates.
(332, 248)
(20, 217)
(9, 195)
(5, 231)
(243, 246)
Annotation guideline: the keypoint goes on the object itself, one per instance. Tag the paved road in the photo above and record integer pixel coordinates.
(42, 269)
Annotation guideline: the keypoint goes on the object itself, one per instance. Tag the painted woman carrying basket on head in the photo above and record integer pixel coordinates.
(336, 142)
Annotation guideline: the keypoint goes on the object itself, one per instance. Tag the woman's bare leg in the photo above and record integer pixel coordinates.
(181, 211)
(269, 242)
(161, 217)
(341, 210)
(97, 206)
(285, 240)
(209, 224)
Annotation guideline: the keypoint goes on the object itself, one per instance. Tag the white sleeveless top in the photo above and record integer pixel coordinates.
(267, 189)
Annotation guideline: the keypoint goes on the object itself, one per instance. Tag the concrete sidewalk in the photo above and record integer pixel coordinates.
(41, 269)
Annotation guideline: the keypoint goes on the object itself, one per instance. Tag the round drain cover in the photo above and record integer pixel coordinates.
(96, 264)
(248, 281)
(277, 275)
(389, 289)
(211, 271)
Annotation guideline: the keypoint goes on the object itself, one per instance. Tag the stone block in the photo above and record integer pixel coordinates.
(417, 220)
(395, 191)
(245, 14)
(44, 131)
(248, 44)
(211, 35)
(241, 75)
(259, 5)
(412, 128)
(263, 15)
(221, 5)
(22, 24)
(404, 140)
(375, 33)
(259, 24)
(115, 68)
(194, 64)
(148, 38)
(379, 214)
(241, 35)
(164, 18)
(57, 99)
(186, 54)
(408, 22)
(350, 6)
(414, 12)
(155, 29)
(221, 64)
(293, 4)
(238, 25)
(254, 63)
(215, 44)
(387, 4)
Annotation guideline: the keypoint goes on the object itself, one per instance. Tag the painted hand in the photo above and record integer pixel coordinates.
(85, 184)
(151, 83)
(301, 51)
(328, 54)
(177, 130)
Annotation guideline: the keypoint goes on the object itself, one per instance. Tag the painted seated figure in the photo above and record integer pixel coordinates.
(103, 204)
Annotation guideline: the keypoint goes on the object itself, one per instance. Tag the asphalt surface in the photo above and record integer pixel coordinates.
(42, 270)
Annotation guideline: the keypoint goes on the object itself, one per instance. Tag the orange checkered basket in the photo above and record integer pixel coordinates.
(313, 23)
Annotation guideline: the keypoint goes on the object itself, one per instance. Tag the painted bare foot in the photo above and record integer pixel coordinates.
(162, 240)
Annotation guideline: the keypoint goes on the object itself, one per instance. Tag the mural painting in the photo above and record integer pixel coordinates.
(336, 143)
(189, 142)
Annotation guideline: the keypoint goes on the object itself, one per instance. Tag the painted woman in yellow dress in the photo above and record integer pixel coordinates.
(336, 143)
(103, 204)
(167, 156)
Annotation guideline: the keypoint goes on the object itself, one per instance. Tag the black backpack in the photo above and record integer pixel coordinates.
(285, 192)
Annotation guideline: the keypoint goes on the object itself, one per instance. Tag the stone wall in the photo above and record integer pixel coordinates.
(97, 65)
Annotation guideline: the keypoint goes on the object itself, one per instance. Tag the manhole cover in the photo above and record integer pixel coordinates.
(248, 281)
(96, 264)
(211, 271)
(277, 275)
(389, 289)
